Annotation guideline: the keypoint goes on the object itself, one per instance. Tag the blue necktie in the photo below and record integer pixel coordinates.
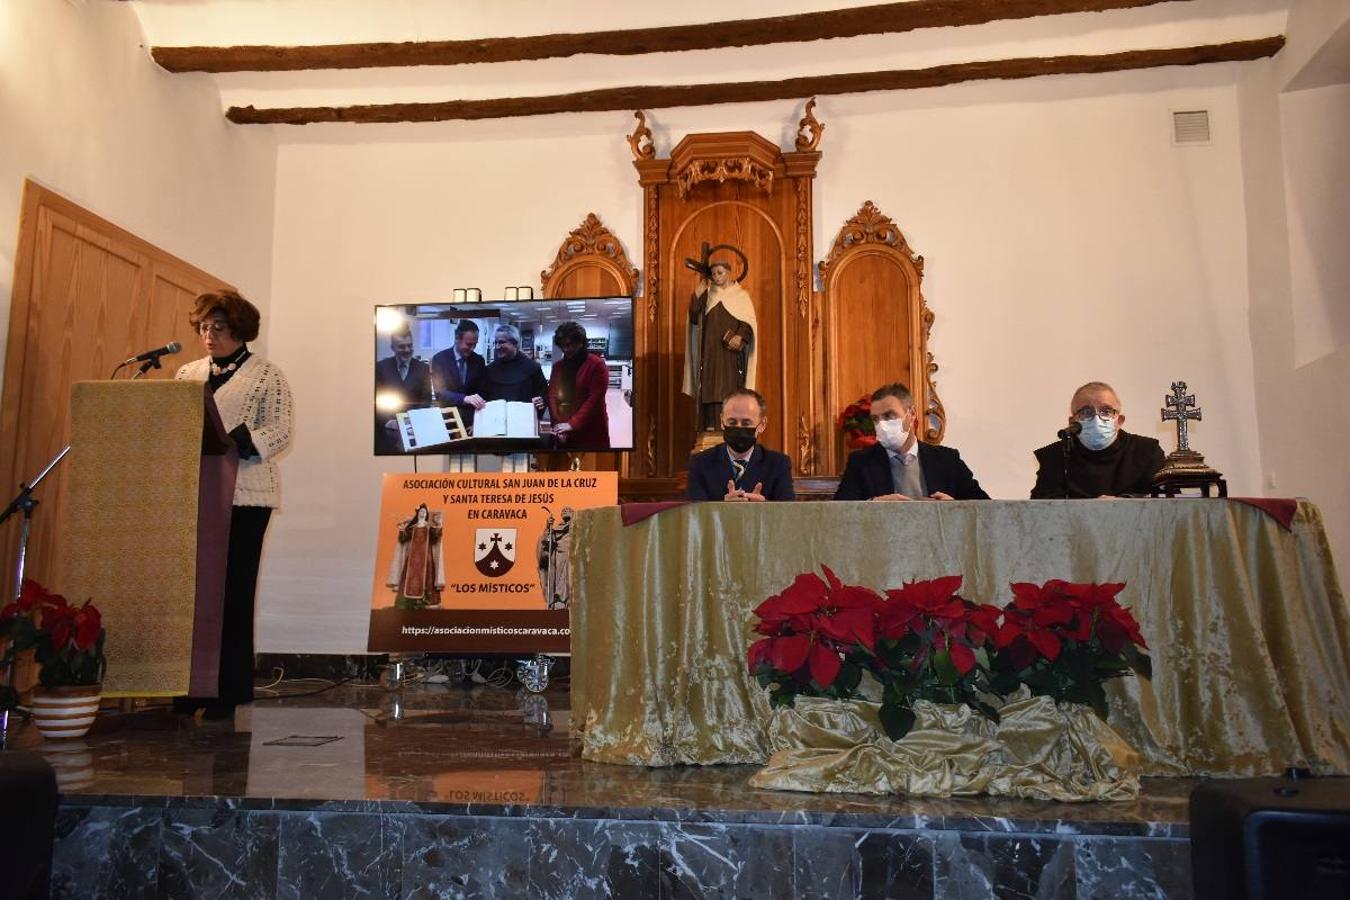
(463, 375)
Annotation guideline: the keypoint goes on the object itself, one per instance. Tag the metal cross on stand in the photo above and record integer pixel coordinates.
(1185, 468)
(1180, 403)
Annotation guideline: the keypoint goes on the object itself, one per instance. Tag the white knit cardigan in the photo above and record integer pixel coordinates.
(257, 397)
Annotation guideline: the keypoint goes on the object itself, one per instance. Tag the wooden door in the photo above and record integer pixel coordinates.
(87, 295)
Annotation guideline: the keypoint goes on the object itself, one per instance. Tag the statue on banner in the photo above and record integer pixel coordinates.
(720, 350)
(555, 560)
(417, 572)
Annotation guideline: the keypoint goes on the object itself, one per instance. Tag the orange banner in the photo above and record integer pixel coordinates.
(478, 562)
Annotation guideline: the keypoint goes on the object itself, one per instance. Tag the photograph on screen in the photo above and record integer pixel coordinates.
(518, 376)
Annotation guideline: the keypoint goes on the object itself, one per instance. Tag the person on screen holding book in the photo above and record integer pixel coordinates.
(402, 381)
(254, 401)
(577, 387)
(901, 467)
(1103, 460)
(457, 373)
(511, 376)
(739, 469)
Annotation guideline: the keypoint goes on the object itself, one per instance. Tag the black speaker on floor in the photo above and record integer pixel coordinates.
(27, 824)
(1271, 838)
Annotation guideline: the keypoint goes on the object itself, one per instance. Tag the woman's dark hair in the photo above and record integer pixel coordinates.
(241, 316)
(571, 332)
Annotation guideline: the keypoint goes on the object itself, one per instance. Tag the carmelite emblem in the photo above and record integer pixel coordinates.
(494, 551)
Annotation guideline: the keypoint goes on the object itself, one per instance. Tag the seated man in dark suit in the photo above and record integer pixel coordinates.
(457, 372)
(402, 382)
(1103, 460)
(740, 469)
(901, 467)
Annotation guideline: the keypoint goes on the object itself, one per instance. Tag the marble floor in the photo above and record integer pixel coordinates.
(447, 791)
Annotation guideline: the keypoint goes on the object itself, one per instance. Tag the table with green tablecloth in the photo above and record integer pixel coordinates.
(1244, 616)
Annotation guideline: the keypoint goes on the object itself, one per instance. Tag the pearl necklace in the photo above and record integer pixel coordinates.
(236, 358)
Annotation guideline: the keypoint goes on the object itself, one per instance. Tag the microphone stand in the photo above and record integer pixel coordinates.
(23, 502)
(1067, 445)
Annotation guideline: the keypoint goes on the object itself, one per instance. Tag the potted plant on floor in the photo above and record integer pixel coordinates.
(67, 642)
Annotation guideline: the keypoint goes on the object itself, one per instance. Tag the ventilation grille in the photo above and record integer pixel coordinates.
(1190, 126)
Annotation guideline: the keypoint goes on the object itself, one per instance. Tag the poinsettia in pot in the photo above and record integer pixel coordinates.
(67, 642)
(1065, 641)
(819, 638)
(855, 423)
(933, 645)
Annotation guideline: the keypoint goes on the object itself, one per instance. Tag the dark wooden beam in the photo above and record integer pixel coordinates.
(657, 97)
(888, 18)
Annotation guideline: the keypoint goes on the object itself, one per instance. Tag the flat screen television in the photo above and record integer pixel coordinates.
(510, 376)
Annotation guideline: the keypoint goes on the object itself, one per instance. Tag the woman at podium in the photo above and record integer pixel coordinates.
(254, 402)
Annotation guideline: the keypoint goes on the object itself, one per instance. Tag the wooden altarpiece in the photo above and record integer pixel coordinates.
(738, 189)
(874, 325)
(819, 350)
(590, 263)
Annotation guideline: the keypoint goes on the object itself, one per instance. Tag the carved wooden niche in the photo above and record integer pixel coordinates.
(740, 189)
(591, 262)
(875, 323)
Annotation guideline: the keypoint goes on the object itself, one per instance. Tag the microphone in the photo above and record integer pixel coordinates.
(1065, 434)
(152, 355)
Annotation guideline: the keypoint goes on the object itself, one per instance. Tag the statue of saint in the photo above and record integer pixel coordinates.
(417, 571)
(720, 352)
(555, 560)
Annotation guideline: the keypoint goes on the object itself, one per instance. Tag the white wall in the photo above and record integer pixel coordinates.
(85, 112)
(1301, 378)
(1315, 136)
(1066, 240)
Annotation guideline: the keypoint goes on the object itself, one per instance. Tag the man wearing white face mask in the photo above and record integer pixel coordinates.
(1102, 460)
(899, 466)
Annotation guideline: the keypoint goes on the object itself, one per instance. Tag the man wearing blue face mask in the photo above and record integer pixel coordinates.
(900, 466)
(1101, 460)
(739, 469)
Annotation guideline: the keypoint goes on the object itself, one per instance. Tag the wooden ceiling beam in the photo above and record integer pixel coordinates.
(888, 18)
(657, 97)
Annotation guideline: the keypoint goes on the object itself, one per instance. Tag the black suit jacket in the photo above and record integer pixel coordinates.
(415, 391)
(868, 474)
(710, 471)
(450, 391)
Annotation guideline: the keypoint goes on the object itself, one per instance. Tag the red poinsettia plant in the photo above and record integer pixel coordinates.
(67, 641)
(920, 642)
(1065, 640)
(934, 646)
(924, 641)
(856, 423)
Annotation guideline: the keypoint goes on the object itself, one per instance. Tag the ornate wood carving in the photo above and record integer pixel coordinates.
(876, 322)
(666, 96)
(803, 223)
(805, 448)
(640, 141)
(868, 225)
(809, 129)
(651, 235)
(887, 18)
(591, 239)
(723, 170)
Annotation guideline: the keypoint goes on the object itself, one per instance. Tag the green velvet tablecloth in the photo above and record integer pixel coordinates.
(1247, 625)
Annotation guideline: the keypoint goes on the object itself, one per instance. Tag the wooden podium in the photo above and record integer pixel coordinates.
(145, 530)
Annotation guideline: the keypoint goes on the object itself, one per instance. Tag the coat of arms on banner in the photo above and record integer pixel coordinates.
(494, 550)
